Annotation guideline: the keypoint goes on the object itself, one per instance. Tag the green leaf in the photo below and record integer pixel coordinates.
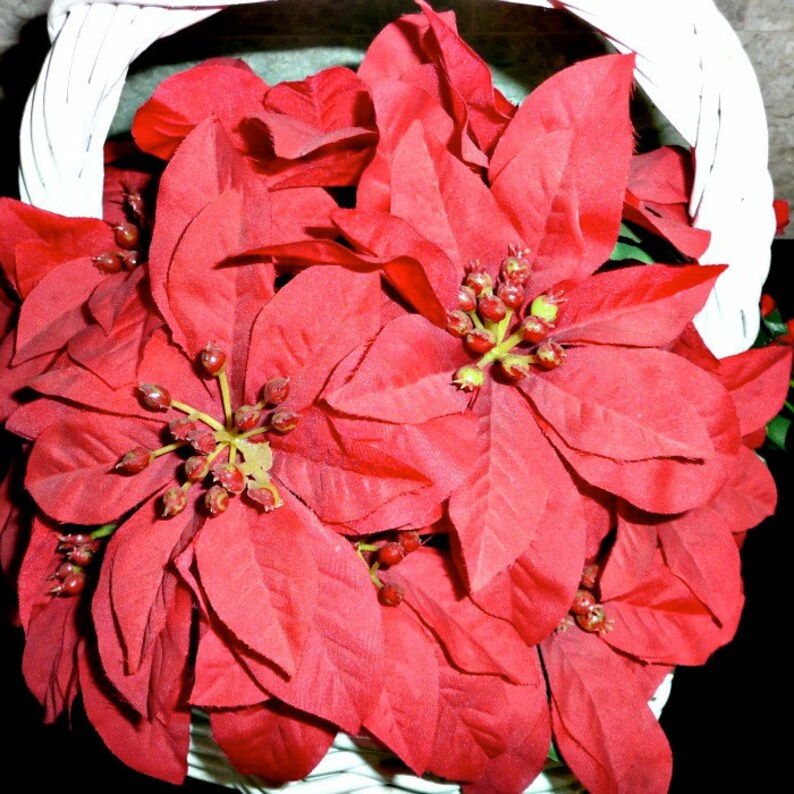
(777, 431)
(624, 251)
(553, 754)
(628, 233)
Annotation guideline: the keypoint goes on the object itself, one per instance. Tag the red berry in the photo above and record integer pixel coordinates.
(266, 498)
(74, 540)
(71, 585)
(481, 340)
(66, 569)
(197, 467)
(550, 354)
(535, 329)
(134, 461)
(467, 299)
(129, 259)
(213, 359)
(589, 576)
(81, 556)
(515, 367)
(459, 323)
(174, 501)
(202, 439)
(511, 293)
(216, 500)
(284, 421)
(127, 235)
(276, 391)
(409, 539)
(108, 262)
(594, 620)
(134, 202)
(479, 281)
(391, 553)
(247, 417)
(390, 595)
(181, 427)
(583, 602)
(229, 477)
(154, 396)
(491, 307)
(515, 267)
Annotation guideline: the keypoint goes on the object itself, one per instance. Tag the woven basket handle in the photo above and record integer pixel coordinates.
(689, 61)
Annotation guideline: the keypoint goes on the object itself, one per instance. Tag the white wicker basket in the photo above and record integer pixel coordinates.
(689, 62)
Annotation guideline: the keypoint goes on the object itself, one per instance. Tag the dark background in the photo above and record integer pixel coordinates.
(723, 719)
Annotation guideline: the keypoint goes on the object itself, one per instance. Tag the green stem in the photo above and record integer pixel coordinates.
(500, 350)
(227, 403)
(193, 413)
(156, 453)
(104, 531)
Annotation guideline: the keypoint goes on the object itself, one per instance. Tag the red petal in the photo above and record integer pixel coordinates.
(699, 549)
(53, 643)
(289, 341)
(749, 496)
(662, 622)
(272, 740)
(529, 740)
(35, 242)
(633, 554)
(272, 608)
(440, 449)
(591, 98)
(758, 380)
(394, 384)
(72, 462)
(496, 512)
(406, 716)
(618, 414)
(427, 278)
(602, 723)
(469, 79)
(136, 559)
(536, 591)
(669, 485)
(54, 310)
(155, 743)
(221, 680)
(447, 203)
(473, 724)
(339, 479)
(342, 657)
(645, 306)
(222, 87)
(475, 641)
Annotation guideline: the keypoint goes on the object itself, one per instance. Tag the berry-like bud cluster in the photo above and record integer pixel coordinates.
(77, 550)
(222, 450)
(128, 235)
(487, 318)
(388, 554)
(585, 610)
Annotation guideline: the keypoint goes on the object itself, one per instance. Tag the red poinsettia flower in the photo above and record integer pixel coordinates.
(317, 131)
(442, 217)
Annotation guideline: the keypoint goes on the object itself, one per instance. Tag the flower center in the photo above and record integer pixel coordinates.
(488, 319)
(228, 457)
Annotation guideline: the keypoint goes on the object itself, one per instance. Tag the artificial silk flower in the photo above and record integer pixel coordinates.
(437, 470)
